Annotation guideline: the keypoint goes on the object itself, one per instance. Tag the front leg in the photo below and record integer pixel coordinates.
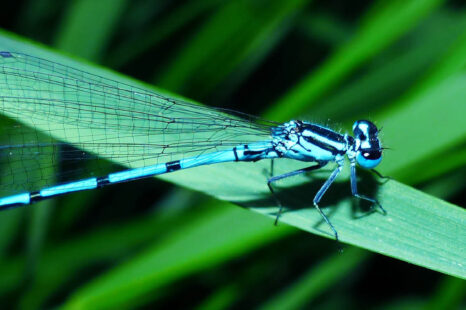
(287, 175)
(354, 189)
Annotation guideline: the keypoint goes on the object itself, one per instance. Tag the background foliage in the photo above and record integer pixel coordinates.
(399, 63)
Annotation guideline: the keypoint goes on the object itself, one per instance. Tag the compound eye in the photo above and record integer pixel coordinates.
(369, 159)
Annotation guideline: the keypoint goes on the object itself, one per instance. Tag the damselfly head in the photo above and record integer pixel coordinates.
(368, 148)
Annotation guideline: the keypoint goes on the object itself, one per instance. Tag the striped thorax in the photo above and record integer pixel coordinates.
(314, 143)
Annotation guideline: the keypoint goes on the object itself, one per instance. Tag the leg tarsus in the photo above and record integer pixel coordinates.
(373, 201)
(381, 175)
(327, 221)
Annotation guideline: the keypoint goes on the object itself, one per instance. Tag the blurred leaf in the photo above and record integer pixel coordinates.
(10, 227)
(88, 26)
(37, 230)
(35, 13)
(382, 26)
(226, 232)
(449, 160)
(449, 295)
(432, 122)
(63, 262)
(227, 42)
(395, 70)
(325, 28)
(222, 299)
(168, 25)
(448, 185)
(318, 279)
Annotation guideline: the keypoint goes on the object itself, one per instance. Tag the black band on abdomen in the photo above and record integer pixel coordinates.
(173, 166)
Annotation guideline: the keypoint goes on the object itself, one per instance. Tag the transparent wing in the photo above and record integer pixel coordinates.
(67, 117)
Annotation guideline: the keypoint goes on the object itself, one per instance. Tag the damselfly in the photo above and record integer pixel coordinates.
(148, 132)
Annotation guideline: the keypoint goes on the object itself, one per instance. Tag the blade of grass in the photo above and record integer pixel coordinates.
(432, 229)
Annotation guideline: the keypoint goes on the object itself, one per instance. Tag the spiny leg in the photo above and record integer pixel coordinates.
(354, 190)
(287, 175)
(321, 193)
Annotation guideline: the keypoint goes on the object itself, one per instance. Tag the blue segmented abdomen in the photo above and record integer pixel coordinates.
(246, 152)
